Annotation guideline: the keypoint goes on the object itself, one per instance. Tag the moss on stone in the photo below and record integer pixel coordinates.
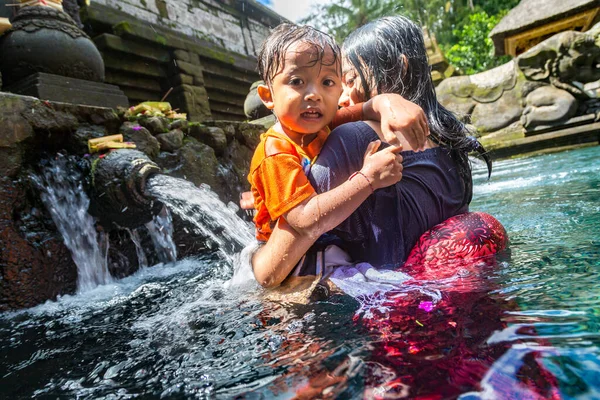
(93, 170)
(122, 28)
(219, 55)
(160, 39)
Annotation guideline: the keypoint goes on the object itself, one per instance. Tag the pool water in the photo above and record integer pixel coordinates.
(527, 326)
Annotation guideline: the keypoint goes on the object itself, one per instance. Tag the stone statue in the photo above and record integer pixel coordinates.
(541, 87)
(71, 7)
(253, 106)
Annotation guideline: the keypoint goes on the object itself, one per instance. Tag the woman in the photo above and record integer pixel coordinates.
(385, 56)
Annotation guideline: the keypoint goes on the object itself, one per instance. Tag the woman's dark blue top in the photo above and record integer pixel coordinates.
(384, 229)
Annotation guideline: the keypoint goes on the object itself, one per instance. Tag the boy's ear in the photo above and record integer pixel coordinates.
(264, 92)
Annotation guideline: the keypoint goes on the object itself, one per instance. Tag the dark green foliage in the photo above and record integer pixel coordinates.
(474, 51)
(460, 25)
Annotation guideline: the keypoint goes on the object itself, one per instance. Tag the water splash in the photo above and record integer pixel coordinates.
(201, 207)
(161, 233)
(139, 250)
(63, 195)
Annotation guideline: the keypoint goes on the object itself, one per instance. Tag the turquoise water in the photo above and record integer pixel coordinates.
(530, 329)
(550, 206)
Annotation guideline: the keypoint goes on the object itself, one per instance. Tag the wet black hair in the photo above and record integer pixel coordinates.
(271, 57)
(390, 57)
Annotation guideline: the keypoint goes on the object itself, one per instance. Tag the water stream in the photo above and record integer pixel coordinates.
(526, 327)
(61, 191)
(203, 209)
(161, 233)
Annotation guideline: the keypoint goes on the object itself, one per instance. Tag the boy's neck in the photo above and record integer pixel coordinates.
(301, 139)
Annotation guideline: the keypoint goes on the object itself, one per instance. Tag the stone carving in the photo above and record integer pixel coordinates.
(541, 87)
(71, 7)
(253, 106)
(32, 19)
(43, 39)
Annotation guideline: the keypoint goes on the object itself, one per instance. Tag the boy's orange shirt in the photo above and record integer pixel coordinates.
(278, 176)
(279, 169)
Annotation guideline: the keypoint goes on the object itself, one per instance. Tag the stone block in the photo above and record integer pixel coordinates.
(181, 55)
(156, 125)
(136, 49)
(142, 138)
(195, 59)
(133, 65)
(190, 69)
(249, 134)
(227, 86)
(70, 90)
(193, 100)
(138, 95)
(198, 81)
(170, 141)
(14, 127)
(121, 79)
(182, 79)
(181, 124)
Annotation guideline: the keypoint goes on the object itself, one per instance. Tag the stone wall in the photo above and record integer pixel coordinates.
(200, 54)
(35, 265)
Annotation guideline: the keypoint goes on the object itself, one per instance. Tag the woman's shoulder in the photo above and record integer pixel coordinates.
(359, 129)
(360, 126)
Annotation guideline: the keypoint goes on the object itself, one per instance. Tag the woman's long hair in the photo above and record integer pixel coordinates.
(390, 57)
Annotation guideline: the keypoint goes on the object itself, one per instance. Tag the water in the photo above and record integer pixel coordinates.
(63, 195)
(161, 233)
(202, 208)
(526, 327)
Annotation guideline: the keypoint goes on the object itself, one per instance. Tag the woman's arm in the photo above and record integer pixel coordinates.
(400, 119)
(302, 226)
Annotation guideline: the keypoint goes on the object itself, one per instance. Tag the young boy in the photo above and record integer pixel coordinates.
(301, 68)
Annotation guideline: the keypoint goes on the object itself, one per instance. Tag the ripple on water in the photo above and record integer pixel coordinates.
(177, 331)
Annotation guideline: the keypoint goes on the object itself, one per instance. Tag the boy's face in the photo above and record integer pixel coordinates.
(304, 93)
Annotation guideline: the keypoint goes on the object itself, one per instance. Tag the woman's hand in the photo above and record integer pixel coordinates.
(399, 118)
(382, 168)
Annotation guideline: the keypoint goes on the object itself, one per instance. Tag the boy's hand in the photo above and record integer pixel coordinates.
(382, 168)
(246, 201)
(399, 117)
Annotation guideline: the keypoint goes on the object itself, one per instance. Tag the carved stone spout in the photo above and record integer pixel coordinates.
(118, 192)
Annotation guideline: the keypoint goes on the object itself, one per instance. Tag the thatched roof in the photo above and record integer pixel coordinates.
(530, 14)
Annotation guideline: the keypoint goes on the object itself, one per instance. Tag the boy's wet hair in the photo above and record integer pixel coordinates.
(271, 58)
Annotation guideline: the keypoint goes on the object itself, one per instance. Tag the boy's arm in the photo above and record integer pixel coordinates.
(398, 117)
(321, 213)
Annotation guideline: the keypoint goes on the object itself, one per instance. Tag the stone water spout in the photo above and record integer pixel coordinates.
(128, 190)
(118, 192)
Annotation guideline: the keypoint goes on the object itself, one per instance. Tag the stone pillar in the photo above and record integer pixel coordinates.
(189, 93)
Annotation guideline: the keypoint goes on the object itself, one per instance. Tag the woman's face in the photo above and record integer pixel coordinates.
(353, 91)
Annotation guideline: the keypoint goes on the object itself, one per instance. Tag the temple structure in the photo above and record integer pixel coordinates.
(440, 67)
(533, 21)
(198, 55)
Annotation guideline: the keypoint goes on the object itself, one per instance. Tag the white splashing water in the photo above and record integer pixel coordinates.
(67, 202)
(370, 286)
(161, 233)
(139, 249)
(202, 208)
